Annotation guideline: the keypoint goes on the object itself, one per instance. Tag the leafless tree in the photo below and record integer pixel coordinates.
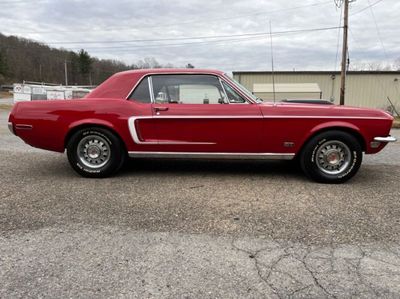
(24, 59)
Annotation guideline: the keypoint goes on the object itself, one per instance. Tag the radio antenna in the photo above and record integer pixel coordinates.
(272, 61)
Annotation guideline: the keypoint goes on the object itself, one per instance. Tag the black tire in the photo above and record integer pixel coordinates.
(331, 157)
(98, 141)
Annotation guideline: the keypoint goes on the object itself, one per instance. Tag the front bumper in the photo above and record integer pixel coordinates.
(379, 140)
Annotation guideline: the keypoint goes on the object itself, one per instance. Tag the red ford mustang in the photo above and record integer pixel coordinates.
(175, 113)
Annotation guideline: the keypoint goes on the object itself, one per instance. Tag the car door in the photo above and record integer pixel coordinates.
(193, 113)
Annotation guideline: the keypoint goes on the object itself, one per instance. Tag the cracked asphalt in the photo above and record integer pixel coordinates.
(196, 229)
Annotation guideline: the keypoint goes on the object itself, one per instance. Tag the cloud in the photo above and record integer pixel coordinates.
(51, 21)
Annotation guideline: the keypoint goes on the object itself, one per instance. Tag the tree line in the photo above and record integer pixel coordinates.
(25, 59)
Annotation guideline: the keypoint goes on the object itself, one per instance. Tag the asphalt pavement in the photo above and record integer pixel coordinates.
(196, 229)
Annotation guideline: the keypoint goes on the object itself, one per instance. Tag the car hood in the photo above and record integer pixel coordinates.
(309, 109)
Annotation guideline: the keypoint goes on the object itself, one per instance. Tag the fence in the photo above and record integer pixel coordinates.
(31, 91)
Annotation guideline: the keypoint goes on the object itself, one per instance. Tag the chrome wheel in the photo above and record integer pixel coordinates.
(94, 151)
(333, 157)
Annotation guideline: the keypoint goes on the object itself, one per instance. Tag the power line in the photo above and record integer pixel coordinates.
(338, 37)
(358, 45)
(365, 8)
(194, 37)
(377, 30)
(200, 21)
(160, 45)
(126, 47)
(21, 2)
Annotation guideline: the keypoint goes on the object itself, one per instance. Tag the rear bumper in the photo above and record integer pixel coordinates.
(11, 128)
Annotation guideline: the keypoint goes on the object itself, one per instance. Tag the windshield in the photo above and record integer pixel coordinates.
(243, 89)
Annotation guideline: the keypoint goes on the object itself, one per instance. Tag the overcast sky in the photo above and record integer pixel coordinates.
(102, 26)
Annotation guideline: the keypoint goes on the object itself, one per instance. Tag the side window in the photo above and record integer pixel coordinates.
(232, 95)
(187, 89)
(141, 92)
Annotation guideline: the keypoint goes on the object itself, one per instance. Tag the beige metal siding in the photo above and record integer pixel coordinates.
(283, 96)
(287, 91)
(362, 90)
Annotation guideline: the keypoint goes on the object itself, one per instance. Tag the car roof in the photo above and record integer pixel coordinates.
(120, 84)
(144, 72)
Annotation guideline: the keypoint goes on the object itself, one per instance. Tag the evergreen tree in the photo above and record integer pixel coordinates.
(3, 63)
(84, 62)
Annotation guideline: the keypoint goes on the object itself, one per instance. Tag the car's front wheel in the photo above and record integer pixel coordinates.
(95, 152)
(331, 157)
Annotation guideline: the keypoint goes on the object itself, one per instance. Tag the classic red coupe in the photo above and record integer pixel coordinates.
(186, 113)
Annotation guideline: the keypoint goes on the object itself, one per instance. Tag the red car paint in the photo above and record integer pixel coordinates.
(231, 128)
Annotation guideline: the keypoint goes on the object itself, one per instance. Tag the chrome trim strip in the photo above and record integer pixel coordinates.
(151, 90)
(385, 139)
(211, 155)
(321, 117)
(261, 116)
(23, 127)
(206, 116)
(226, 100)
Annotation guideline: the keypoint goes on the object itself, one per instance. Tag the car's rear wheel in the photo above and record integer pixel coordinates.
(95, 152)
(331, 157)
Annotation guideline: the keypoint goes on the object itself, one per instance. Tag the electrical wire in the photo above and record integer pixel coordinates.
(168, 45)
(365, 8)
(200, 21)
(338, 39)
(377, 30)
(194, 37)
(21, 2)
(358, 45)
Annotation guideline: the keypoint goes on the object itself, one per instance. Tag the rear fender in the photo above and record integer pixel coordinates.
(87, 123)
(90, 121)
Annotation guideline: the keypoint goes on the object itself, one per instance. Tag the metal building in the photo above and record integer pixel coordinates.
(363, 88)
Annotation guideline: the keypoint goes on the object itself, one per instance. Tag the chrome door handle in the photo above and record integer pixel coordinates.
(158, 109)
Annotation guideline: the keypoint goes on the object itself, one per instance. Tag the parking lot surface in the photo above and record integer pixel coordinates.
(196, 229)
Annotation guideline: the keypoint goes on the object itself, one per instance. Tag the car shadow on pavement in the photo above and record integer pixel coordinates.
(224, 167)
(53, 166)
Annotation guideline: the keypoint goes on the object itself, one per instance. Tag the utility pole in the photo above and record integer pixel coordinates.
(66, 72)
(344, 52)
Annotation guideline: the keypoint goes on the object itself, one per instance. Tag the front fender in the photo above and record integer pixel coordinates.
(336, 125)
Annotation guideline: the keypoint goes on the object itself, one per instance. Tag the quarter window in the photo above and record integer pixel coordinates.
(187, 89)
(232, 95)
(141, 92)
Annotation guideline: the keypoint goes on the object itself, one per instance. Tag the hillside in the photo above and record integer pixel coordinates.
(24, 59)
